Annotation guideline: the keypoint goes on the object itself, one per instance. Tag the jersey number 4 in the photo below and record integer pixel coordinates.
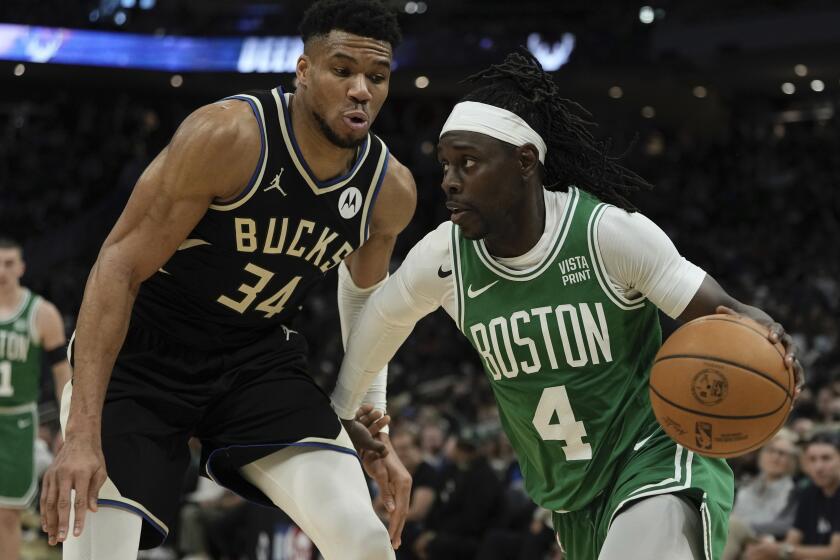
(270, 306)
(555, 400)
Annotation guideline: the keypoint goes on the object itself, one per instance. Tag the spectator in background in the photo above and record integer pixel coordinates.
(828, 408)
(469, 500)
(534, 542)
(431, 444)
(815, 534)
(424, 489)
(765, 505)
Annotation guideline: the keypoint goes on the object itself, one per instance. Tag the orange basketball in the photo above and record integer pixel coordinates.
(719, 386)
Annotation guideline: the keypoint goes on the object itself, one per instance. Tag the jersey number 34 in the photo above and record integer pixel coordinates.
(270, 306)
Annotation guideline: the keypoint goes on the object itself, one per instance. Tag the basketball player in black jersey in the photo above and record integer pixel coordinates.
(183, 330)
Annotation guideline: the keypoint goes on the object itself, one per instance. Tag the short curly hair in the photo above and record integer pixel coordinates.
(368, 18)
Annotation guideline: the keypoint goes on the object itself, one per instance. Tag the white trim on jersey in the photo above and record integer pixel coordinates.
(600, 269)
(705, 517)
(290, 146)
(17, 312)
(668, 486)
(18, 409)
(530, 273)
(383, 158)
(455, 250)
(221, 206)
(33, 319)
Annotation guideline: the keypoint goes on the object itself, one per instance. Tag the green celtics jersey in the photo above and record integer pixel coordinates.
(20, 354)
(567, 356)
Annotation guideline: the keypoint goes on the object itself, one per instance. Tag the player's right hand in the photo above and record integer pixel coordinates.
(79, 466)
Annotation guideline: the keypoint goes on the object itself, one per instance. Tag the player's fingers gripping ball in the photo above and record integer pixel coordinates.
(720, 387)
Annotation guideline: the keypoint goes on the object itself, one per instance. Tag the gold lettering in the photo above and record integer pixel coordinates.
(246, 235)
(293, 249)
(321, 246)
(274, 305)
(339, 255)
(249, 291)
(277, 247)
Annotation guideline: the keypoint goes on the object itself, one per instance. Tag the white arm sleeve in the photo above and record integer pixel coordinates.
(351, 301)
(389, 316)
(640, 259)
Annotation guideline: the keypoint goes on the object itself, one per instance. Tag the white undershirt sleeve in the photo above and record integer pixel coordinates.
(389, 316)
(351, 301)
(640, 259)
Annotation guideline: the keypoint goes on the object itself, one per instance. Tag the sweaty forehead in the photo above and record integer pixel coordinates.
(343, 42)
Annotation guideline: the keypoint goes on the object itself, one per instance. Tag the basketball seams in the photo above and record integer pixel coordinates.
(719, 416)
(726, 362)
(747, 326)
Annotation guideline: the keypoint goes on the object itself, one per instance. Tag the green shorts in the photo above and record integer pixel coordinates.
(18, 428)
(658, 466)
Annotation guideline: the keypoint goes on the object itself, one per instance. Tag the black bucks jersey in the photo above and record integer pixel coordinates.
(249, 263)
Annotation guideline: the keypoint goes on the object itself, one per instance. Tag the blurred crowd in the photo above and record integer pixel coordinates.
(756, 206)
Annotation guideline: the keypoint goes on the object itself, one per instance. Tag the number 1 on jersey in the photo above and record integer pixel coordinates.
(6, 388)
(567, 429)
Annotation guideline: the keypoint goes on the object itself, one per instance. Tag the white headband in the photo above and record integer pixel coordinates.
(493, 121)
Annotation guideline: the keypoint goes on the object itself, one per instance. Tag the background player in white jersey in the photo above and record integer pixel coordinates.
(184, 328)
(31, 330)
(556, 281)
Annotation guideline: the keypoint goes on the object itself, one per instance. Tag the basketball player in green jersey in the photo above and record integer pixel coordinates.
(556, 281)
(29, 328)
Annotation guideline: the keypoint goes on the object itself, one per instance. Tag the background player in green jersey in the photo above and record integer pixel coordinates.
(29, 327)
(556, 280)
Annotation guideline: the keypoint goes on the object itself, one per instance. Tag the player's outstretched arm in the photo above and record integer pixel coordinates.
(388, 317)
(212, 155)
(639, 256)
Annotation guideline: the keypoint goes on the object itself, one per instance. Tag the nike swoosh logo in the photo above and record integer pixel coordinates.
(475, 293)
(23, 424)
(639, 444)
(444, 273)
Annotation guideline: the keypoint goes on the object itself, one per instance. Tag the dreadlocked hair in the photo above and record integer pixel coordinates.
(367, 18)
(574, 156)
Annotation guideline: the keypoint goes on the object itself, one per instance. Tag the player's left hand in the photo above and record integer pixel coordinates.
(395, 486)
(777, 334)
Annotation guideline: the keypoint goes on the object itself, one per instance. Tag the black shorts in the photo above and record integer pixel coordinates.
(243, 404)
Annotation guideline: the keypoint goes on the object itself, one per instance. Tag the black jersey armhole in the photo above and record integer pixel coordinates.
(376, 190)
(255, 175)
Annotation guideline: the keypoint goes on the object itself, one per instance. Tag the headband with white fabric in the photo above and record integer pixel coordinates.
(499, 123)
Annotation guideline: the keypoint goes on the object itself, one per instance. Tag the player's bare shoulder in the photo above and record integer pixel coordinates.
(396, 201)
(218, 145)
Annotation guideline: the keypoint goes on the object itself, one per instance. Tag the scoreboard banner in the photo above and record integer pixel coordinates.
(276, 55)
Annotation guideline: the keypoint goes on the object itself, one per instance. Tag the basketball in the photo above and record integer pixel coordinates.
(720, 387)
